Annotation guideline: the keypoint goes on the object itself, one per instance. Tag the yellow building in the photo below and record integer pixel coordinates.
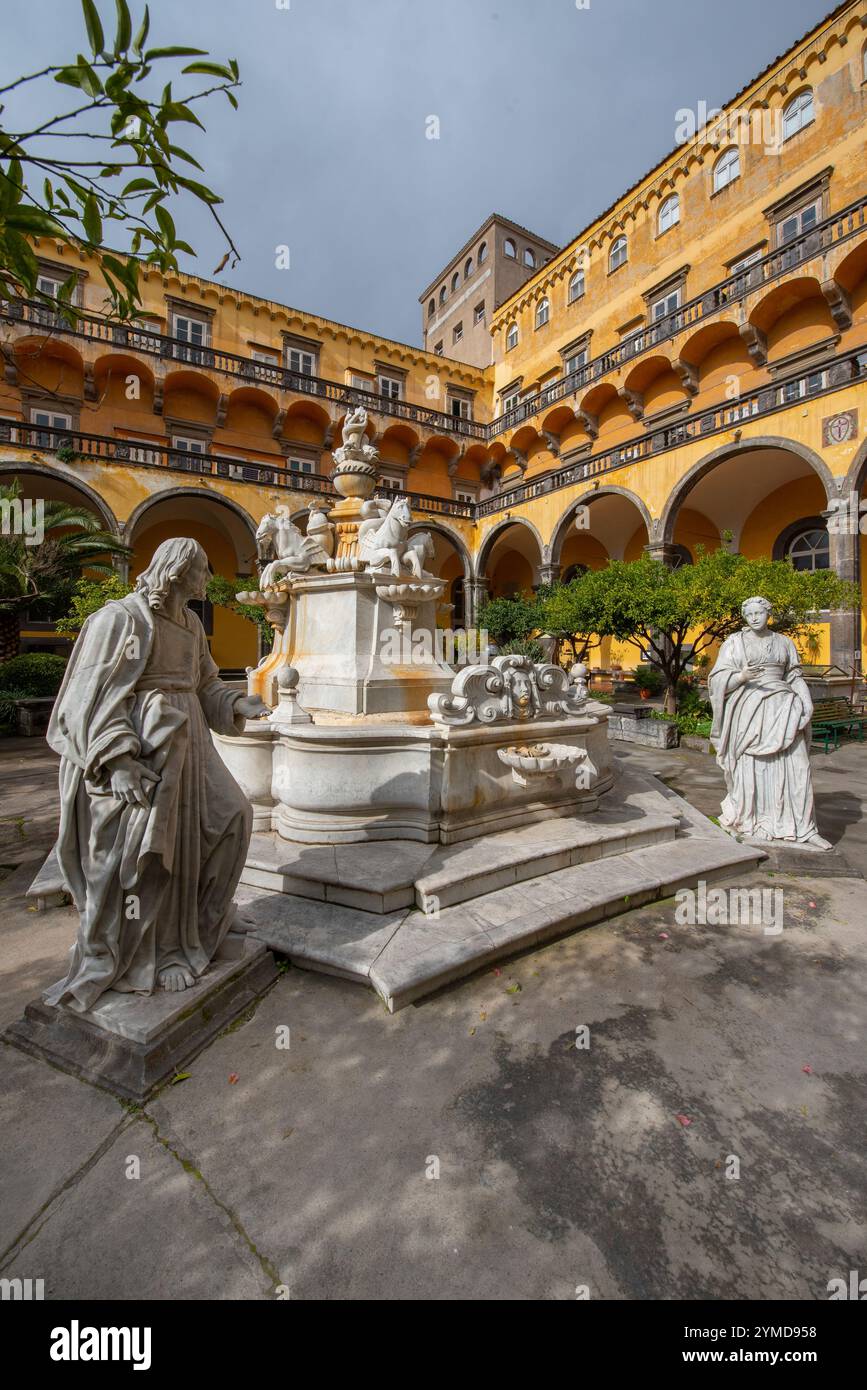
(692, 364)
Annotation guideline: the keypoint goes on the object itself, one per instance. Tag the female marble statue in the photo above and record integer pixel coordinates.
(761, 728)
(153, 828)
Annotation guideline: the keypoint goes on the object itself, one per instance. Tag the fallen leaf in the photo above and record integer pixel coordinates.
(807, 1070)
(472, 1032)
(513, 989)
(483, 1017)
(181, 1076)
(497, 970)
(663, 936)
(287, 1132)
(684, 1120)
(233, 1078)
(811, 904)
(803, 1109)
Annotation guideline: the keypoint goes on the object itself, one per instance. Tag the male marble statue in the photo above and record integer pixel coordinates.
(153, 828)
(761, 728)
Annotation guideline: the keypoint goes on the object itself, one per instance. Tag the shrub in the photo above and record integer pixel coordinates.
(31, 674)
(523, 647)
(649, 678)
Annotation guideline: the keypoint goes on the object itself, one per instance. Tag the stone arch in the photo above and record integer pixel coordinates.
(133, 522)
(587, 498)
(490, 539)
(68, 480)
(452, 537)
(664, 528)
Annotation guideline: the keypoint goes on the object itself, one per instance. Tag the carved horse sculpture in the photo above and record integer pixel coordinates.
(384, 539)
(277, 534)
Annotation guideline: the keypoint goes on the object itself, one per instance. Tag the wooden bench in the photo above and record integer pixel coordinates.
(831, 718)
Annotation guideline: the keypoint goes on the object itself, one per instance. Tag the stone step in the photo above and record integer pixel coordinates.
(405, 956)
(385, 876)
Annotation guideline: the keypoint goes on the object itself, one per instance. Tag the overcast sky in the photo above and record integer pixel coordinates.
(546, 113)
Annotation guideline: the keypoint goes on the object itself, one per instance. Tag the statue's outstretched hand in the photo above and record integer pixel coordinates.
(132, 782)
(251, 707)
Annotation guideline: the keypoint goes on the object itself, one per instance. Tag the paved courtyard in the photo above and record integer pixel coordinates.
(308, 1171)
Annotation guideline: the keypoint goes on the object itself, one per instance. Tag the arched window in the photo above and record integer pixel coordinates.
(468, 267)
(543, 312)
(530, 258)
(442, 294)
(431, 308)
(576, 286)
(483, 253)
(512, 337)
(669, 214)
(456, 280)
(617, 254)
(573, 572)
(680, 556)
(509, 248)
(727, 168)
(798, 113)
(808, 548)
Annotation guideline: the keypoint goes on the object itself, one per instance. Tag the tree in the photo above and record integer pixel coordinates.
(90, 594)
(221, 592)
(43, 575)
(511, 619)
(677, 614)
(565, 616)
(138, 169)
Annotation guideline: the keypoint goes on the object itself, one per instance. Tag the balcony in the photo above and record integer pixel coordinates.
(735, 288)
(765, 400)
(125, 452)
(132, 338)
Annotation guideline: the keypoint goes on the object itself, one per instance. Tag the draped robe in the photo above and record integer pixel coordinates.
(153, 886)
(762, 736)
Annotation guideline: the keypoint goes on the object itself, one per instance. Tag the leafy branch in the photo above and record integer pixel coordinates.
(43, 194)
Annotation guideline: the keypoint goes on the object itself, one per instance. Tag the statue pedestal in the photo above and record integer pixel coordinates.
(131, 1044)
(344, 640)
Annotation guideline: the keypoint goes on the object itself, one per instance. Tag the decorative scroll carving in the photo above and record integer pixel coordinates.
(509, 688)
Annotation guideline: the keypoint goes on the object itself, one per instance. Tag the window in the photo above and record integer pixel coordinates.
(511, 401)
(48, 286)
(301, 465)
(576, 361)
(187, 445)
(361, 383)
(189, 330)
(799, 222)
(49, 421)
(431, 308)
(512, 337)
(483, 253)
(669, 214)
(543, 312)
(269, 357)
(576, 286)
(617, 254)
(661, 308)
(804, 386)
(727, 168)
(745, 261)
(457, 332)
(509, 248)
(468, 267)
(438, 348)
(461, 496)
(461, 408)
(390, 482)
(809, 549)
(304, 363)
(479, 313)
(798, 113)
(455, 281)
(530, 258)
(390, 386)
(442, 294)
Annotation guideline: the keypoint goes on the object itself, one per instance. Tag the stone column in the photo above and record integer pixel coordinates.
(846, 622)
(475, 593)
(549, 574)
(660, 550)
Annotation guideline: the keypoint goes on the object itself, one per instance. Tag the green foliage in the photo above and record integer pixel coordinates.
(32, 674)
(666, 609)
(648, 678)
(221, 592)
(510, 619)
(88, 596)
(41, 578)
(566, 615)
(522, 646)
(137, 171)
